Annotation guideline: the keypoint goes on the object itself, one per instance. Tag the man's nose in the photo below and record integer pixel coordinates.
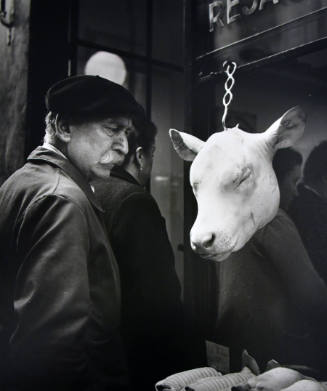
(122, 142)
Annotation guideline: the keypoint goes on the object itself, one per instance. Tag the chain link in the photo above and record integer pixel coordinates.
(228, 97)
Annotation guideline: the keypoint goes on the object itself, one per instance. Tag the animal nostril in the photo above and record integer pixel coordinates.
(208, 241)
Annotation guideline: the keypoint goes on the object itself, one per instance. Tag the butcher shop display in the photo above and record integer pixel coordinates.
(234, 183)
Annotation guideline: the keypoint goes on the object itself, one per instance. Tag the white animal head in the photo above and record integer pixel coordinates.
(234, 183)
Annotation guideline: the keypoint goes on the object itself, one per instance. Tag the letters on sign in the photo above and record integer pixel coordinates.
(221, 14)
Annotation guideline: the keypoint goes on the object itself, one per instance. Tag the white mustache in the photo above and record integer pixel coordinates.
(112, 157)
(106, 159)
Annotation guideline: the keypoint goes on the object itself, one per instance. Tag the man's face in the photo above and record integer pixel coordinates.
(149, 161)
(95, 147)
(148, 157)
(288, 186)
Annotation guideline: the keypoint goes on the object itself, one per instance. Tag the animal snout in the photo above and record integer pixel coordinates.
(202, 241)
(211, 244)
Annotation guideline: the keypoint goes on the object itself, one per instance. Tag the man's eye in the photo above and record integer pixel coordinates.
(110, 130)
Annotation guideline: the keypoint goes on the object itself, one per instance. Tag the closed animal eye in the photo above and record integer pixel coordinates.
(246, 173)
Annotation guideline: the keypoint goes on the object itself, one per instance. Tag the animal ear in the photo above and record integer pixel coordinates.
(186, 145)
(287, 129)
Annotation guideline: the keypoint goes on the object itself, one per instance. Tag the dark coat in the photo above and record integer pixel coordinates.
(272, 302)
(309, 212)
(59, 281)
(151, 304)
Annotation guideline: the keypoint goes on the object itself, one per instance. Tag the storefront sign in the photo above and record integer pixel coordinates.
(262, 27)
(220, 13)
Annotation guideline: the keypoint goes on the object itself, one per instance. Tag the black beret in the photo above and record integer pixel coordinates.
(90, 97)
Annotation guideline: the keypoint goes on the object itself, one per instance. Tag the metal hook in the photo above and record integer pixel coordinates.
(228, 96)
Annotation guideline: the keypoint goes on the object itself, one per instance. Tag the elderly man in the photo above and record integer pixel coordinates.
(59, 282)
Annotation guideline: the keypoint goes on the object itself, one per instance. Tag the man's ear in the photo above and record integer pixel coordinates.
(63, 130)
(186, 145)
(139, 157)
(287, 129)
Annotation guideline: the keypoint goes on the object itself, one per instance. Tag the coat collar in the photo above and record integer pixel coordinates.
(55, 159)
(118, 172)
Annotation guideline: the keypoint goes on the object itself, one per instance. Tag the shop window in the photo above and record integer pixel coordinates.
(168, 29)
(118, 24)
(167, 177)
(139, 44)
(269, 91)
(107, 65)
(129, 72)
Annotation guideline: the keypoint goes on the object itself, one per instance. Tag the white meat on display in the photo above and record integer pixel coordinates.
(234, 183)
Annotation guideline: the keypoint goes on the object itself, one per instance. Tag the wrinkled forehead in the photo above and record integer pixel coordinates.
(227, 151)
(118, 122)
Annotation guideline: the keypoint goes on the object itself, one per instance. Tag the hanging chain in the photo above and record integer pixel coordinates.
(228, 88)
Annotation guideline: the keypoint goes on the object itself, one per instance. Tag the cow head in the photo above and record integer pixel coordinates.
(234, 183)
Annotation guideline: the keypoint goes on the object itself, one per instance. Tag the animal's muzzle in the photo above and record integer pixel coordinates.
(210, 243)
(202, 243)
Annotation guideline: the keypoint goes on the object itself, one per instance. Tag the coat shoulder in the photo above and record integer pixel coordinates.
(116, 191)
(34, 182)
(124, 201)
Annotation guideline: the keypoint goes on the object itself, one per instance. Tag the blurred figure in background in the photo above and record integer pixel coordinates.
(287, 164)
(272, 302)
(309, 209)
(152, 313)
